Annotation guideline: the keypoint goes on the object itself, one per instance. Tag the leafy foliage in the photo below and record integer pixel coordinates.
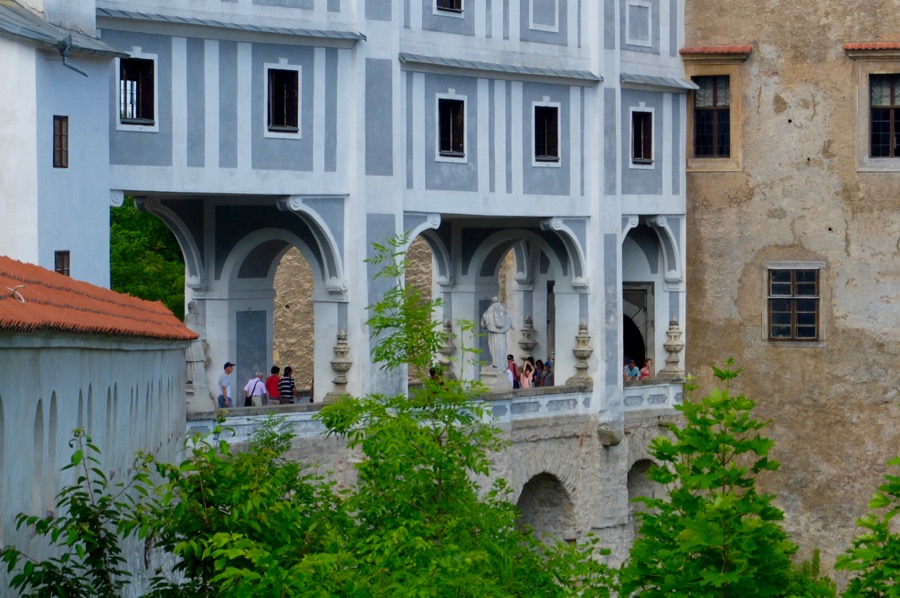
(714, 534)
(806, 580)
(874, 556)
(145, 259)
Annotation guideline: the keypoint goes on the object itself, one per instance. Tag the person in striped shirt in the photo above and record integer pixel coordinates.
(286, 388)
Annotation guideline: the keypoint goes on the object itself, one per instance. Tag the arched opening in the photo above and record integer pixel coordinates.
(546, 507)
(294, 322)
(633, 341)
(643, 277)
(640, 484)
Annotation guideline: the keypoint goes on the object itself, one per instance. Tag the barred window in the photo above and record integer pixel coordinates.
(60, 142)
(794, 304)
(712, 117)
(884, 95)
(284, 101)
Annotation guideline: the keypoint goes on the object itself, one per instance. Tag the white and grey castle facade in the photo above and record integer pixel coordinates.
(552, 128)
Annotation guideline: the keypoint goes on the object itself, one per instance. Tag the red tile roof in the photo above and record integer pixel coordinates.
(872, 46)
(45, 300)
(717, 49)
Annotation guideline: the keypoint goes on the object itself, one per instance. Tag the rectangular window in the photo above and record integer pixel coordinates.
(546, 133)
(60, 142)
(641, 137)
(451, 127)
(712, 117)
(793, 304)
(136, 91)
(884, 95)
(449, 5)
(61, 262)
(284, 100)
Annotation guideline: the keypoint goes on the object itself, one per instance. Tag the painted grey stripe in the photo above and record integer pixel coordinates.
(379, 228)
(583, 312)
(583, 135)
(668, 83)
(196, 99)
(332, 34)
(519, 71)
(379, 117)
(342, 316)
(505, 19)
(406, 16)
(331, 116)
(409, 131)
(528, 303)
(609, 25)
(578, 19)
(611, 292)
(228, 112)
(447, 299)
(334, 5)
(609, 141)
(489, 19)
(492, 127)
(677, 116)
(509, 152)
(674, 305)
(674, 22)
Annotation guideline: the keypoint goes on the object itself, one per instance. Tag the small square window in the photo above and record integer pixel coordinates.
(884, 100)
(283, 115)
(60, 142)
(546, 133)
(61, 262)
(712, 117)
(451, 127)
(793, 299)
(449, 5)
(641, 137)
(136, 91)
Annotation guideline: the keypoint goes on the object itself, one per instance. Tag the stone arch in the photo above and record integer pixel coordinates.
(633, 342)
(265, 248)
(545, 505)
(193, 261)
(315, 212)
(640, 484)
(487, 258)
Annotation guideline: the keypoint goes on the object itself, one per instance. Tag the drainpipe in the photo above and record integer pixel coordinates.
(65, 48)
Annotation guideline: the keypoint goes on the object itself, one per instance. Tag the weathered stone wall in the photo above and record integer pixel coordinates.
(799, 196)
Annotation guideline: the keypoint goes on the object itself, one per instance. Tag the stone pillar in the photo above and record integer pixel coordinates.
(448, 349)
(526, 336)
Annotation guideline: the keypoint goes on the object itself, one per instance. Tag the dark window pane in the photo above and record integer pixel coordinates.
(781, 289)
(723, 133)
(284, 89)
(704, 128)
(806, 319)
(546, 127)
(807, 305)
(793, 304)
(136, 93)
(781, 332)
(451, 127)
(806, 332)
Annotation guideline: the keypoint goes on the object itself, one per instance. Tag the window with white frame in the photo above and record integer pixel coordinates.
(546, 133)
(451, 127)
(793, 295)
(449, 5)
(641, 136)
(282, 100)
(884, 98)
(137, 84)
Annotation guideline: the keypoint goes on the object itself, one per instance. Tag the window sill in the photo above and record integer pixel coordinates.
(453, 157)
(454, 13)
(145, 126)
(546, 162)
(282, 133)
(640, 163)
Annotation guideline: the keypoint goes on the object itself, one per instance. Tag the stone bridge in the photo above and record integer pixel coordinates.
(570, 469)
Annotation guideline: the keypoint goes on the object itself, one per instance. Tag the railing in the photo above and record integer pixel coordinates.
(653, 394)
(506, 408)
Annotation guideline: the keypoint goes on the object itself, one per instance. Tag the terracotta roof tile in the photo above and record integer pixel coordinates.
(49, 301)
(872, 46)
(746, 49)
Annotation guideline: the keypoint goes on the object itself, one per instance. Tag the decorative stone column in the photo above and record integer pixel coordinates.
(526, 336)
(673, 346)
(448, 348)
(582, 352)
(341, 364)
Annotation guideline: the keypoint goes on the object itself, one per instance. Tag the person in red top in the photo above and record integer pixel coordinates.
(272, 386)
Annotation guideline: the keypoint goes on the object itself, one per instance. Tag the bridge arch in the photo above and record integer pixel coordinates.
(546, 506)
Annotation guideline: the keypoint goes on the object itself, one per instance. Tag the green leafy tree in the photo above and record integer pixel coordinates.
(874, 556)
(423, 526)
(144, 258)
(714, 534)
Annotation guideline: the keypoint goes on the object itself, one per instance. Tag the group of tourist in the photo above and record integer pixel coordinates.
(630, 371)
(275, 390)
(531, 374)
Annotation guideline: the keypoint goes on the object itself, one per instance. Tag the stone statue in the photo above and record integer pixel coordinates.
(497, 321)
